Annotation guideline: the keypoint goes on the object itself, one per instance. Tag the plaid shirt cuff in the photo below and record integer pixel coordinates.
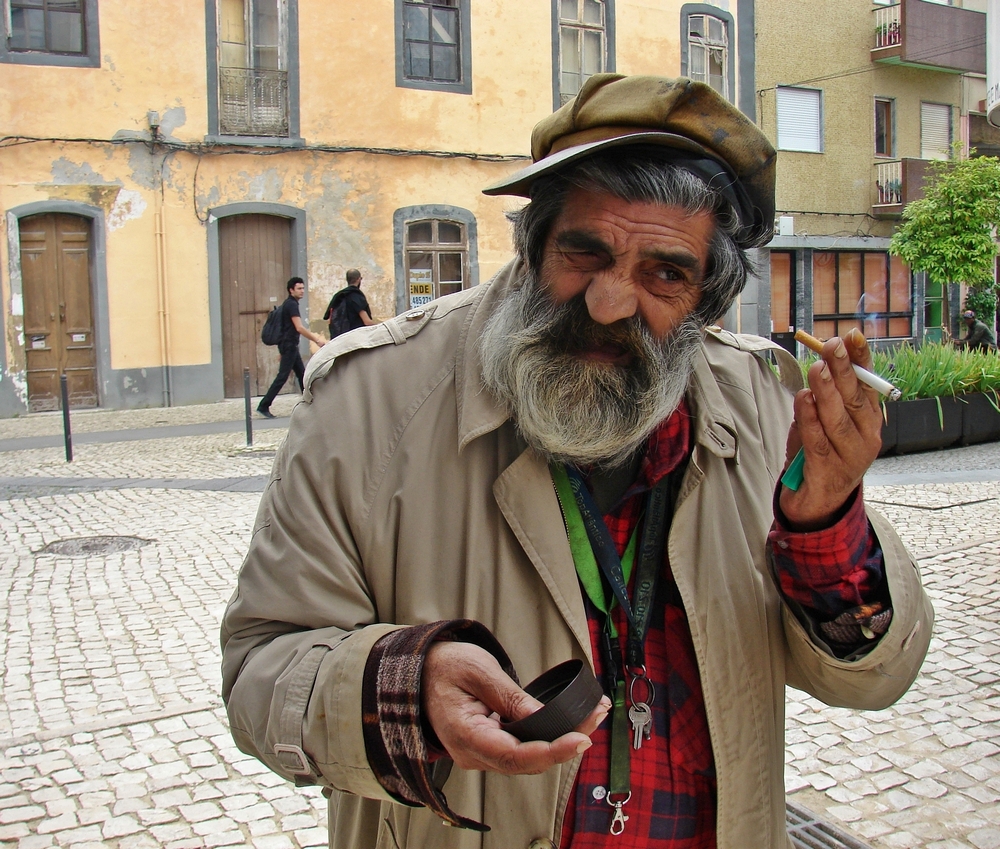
(401, 747)
(836, 574)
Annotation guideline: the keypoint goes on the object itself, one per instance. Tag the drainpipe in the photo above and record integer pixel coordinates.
(161, 294)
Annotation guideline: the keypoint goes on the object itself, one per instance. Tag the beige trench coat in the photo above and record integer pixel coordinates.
(403, 495)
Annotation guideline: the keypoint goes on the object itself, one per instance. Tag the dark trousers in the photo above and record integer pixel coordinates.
(291, 360)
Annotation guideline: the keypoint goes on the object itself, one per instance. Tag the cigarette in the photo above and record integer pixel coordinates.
(870, 379)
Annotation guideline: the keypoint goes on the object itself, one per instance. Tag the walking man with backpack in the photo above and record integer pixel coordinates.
(288, 345)
(349, 308)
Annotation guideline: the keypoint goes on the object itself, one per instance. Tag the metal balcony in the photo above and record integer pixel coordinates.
(928, 35)
(253, 102)
(897, 182)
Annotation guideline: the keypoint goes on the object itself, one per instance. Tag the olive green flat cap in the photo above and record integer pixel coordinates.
(689, 122)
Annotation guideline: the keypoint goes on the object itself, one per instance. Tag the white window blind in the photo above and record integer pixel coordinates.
(800, 125)
(935, 131)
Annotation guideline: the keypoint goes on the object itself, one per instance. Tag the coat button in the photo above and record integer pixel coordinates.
(541, 843)
(416, 314)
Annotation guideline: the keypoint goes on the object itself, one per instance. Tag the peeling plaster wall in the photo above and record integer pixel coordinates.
(153, 57)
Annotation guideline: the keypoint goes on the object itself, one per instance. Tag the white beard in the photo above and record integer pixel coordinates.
(571, 409)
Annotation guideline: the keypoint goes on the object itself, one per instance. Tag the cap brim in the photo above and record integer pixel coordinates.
(519, 183)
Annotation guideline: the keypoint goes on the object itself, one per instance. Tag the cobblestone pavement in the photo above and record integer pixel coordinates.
(112, 732)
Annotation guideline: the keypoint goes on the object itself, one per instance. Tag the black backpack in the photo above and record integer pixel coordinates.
(337, 315)
(270, 333)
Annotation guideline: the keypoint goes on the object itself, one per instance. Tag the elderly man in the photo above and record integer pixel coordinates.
(516, 449)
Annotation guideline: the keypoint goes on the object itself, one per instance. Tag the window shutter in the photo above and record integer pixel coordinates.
(799, 121)
(935, 131)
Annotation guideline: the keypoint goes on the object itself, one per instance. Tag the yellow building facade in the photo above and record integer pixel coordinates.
(165, 168)
(857, 97)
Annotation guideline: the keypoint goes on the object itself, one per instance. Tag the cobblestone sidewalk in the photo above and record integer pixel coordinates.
(112, 732)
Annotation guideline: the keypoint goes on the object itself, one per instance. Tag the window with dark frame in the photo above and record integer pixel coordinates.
(885, 141)
(437, 259)
(47, 26)
(869, 290)
(708, 52)
(253, 78)
(432, 34)
(582, 44)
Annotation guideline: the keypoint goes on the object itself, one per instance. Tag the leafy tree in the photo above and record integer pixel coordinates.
(951, 232)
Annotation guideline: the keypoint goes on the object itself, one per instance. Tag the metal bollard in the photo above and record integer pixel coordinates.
(246, 406)
(67, 435)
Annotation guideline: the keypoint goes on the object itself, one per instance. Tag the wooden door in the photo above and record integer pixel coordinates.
(255, 262)
(58, 310)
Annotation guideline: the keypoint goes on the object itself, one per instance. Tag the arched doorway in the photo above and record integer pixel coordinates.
(58, 310)
(255, 262)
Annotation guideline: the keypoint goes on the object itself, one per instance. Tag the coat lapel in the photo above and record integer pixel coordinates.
(527, 499)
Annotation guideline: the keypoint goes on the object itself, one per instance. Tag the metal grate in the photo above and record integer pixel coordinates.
(90, 546)
(253, 102)
(807, 831)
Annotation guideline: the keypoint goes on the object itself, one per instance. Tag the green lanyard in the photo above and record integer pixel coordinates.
(583, 552)
(582, 547)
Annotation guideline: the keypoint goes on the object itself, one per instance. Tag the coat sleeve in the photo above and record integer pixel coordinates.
(299, 628)
(878, 678)
(881, 676)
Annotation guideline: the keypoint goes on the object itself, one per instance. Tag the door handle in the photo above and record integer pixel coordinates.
(62, 313)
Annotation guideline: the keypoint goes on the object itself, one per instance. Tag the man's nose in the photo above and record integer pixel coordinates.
(611, 297)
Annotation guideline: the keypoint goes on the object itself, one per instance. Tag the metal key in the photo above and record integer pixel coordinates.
(641, 718)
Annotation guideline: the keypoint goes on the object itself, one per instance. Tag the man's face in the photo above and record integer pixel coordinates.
(596, 348)
(298, 291)
(627, 259)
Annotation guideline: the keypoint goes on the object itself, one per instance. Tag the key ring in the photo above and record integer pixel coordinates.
(650, 690)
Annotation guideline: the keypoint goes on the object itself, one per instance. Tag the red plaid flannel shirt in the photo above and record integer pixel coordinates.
(673, 774)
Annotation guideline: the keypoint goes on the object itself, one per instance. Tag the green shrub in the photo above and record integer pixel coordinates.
(936, 370)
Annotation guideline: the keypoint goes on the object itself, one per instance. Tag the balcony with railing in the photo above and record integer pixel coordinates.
(253, 102)
(897, 182)
(930, 35)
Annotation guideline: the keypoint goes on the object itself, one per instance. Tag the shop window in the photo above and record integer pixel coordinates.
(869, 290)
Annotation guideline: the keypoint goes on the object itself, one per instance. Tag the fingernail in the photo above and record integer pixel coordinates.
(824, 372)
(840, 351)
(586, 744)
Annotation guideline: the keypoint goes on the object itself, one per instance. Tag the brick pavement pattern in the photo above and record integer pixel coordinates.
(112, 732)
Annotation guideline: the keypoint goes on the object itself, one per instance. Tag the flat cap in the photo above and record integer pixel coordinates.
(692, 124)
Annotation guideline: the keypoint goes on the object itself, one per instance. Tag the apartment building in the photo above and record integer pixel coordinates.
(858, 97)
(166, 167)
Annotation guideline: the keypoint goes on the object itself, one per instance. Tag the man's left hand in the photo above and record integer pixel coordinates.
(838, 423)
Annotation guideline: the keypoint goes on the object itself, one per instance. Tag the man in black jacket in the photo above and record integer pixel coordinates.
(291, 360)
(356, 311)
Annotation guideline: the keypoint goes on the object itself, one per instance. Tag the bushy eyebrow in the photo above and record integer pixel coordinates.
(581, 240)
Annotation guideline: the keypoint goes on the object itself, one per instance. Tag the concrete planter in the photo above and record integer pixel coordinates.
(980, 418)
(921, 425)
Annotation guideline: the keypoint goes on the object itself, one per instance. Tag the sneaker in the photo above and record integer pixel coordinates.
(265, 412)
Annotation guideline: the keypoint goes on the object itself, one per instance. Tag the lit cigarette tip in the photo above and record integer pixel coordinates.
(865, 376)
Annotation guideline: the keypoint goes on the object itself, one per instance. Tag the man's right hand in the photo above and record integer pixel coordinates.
(464, 694)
